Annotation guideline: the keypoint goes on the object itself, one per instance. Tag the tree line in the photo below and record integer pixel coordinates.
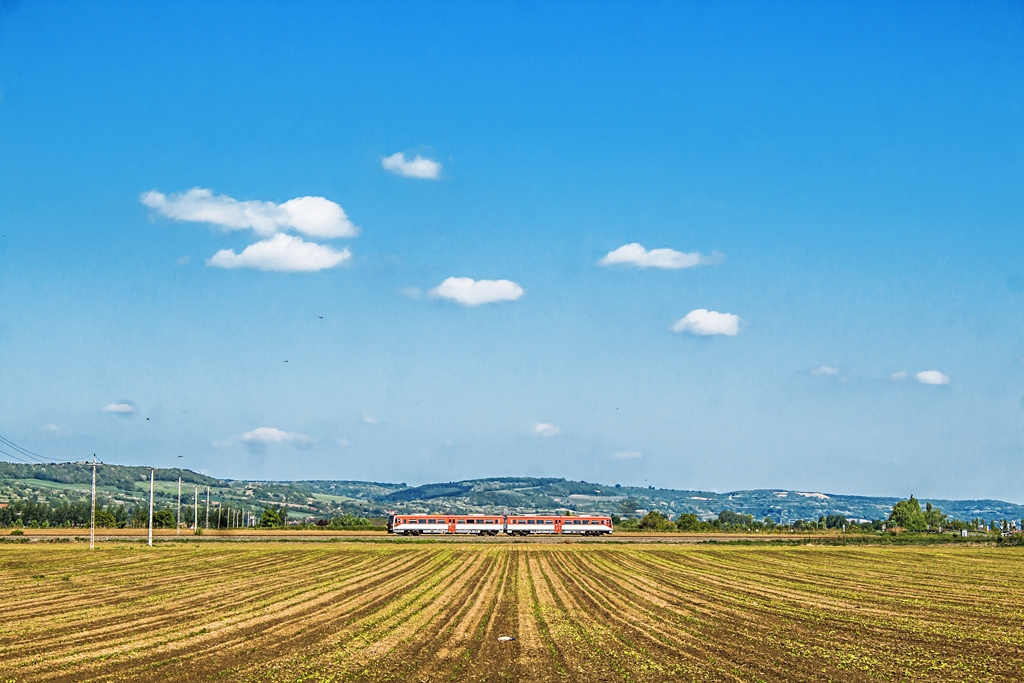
(42, 515)
(906, 515)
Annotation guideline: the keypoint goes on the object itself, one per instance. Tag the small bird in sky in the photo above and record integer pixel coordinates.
(321, 317)
(147, 419)
(286, 361)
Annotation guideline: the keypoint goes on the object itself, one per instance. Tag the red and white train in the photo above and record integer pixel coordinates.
(490, 525)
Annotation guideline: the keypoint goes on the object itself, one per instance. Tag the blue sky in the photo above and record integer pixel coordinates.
(841, 186)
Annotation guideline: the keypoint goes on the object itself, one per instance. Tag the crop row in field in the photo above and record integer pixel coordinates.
(578, 612)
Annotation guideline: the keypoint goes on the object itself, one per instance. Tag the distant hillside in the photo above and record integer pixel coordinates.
(69, 482)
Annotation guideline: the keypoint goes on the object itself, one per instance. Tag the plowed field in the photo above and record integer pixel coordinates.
(578, 612)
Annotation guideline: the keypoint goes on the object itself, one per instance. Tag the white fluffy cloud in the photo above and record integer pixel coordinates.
(931, 377)
(704, 322)
(417, 167)
(825, 371)
(268, 435)
(282, 253)
(470, 292)
(635, 254)
(627, 455)
(546, 429)
(258, 439)
(119, 408)
(313, 216)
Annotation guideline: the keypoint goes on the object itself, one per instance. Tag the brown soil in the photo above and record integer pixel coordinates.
(578, 612)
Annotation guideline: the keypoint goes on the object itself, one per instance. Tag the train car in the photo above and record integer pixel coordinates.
(538, 525)
(490, 525)
(416, 525)
(596, 525)
(532, 525)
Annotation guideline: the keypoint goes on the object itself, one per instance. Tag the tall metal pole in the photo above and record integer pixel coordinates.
(207, 507)
(151, 471)
(195, 525)
(92, 514)
(177, 522)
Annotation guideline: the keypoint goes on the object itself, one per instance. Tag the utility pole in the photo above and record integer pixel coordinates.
(195, 524)
(177, 522)
(151, 473)
(207, 507)
(92, 514)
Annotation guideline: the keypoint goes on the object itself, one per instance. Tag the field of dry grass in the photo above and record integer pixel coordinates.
(434, 612)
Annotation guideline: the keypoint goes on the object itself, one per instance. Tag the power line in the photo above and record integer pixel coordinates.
(16, 458)
(24, 451)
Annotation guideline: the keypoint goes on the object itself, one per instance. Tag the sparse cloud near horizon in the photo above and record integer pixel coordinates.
(312, 216)
(470, 292)
(636, 255)
(703, 322)
(367, 420)
(418, 167)
(932, 377)
(284, 253)
(628, 455)
(119, 408)
(898, 376)
(546, 429)
(258, 439)
(825, 371)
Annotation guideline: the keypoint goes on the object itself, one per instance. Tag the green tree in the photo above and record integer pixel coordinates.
(655, 521)
(105, 519)
(933, 517)
(163, 519)
(688, 522)
(140, 517)
(629, 525)
(727, 519)
(270, 519)
(908, 514)
(835, 522)
(349, 521)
